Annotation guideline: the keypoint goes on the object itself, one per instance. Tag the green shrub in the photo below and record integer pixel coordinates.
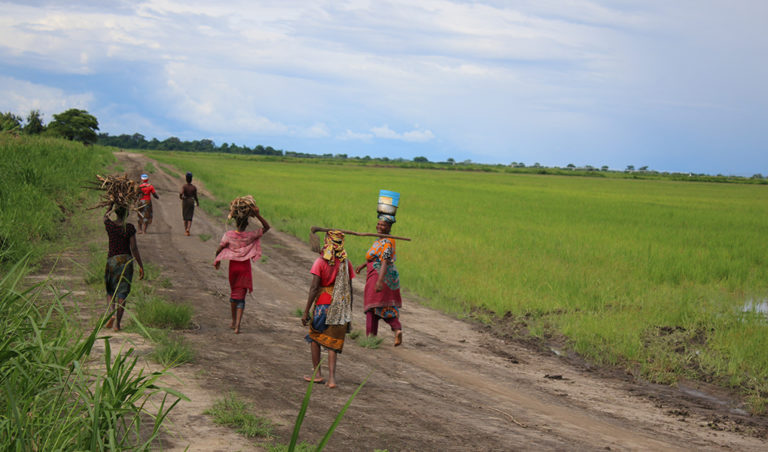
(172, 350)
(372, 342)
(156, 312)
(233, 412)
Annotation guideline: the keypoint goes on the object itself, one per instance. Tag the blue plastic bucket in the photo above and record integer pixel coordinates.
(389, 197)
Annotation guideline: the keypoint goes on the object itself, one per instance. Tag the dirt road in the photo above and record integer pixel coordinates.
(451, 386)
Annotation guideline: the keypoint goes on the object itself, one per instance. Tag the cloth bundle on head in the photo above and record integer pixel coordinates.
(386, 217)
(144, 177)
(333, 248)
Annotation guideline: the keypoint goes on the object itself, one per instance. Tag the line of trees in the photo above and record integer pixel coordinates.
(138, 141)
(73, 124)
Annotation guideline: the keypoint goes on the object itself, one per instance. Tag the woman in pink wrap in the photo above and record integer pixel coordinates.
(239, 248)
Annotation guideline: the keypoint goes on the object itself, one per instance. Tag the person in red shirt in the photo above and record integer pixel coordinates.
(331, 294)
(145, 204)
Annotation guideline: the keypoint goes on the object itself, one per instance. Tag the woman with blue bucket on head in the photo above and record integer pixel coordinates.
(382, 284)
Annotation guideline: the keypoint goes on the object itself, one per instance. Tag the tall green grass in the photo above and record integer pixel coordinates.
(53, 398)
(40, 187)
(610, 264)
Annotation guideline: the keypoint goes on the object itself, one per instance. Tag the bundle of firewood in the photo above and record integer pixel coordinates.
(242, 207)
(117, 191)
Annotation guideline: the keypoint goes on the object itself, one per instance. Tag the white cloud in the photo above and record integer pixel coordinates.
(412, 136)
(20, 97)
(318, 130)
(350, 135)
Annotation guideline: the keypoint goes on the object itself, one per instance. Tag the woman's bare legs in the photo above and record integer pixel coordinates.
(110, 308)
(238, 318)
(119, 313)
(331, 369)
(315, 347)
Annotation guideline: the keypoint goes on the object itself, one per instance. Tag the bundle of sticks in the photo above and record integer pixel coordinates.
(242, 206)
(316, 245)
(117, 191)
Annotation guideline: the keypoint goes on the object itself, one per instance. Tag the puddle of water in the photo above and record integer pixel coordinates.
(710, 398)
(756, 306)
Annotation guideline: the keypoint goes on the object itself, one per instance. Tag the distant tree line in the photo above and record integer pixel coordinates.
(138, 141)
(79, 125)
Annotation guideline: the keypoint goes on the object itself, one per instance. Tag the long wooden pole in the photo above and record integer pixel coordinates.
(362, 234)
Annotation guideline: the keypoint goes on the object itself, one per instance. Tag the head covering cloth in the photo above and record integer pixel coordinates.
(387, 217)
(333, 247)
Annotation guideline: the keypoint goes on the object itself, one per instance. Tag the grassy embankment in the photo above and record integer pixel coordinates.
(651, 276)
(40, 187)
(53, 397)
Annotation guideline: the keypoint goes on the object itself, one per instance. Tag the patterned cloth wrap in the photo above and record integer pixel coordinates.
(340, 312)
(387, 312)
(381, 250)
(144, 209)
(333, 246)
(118, 275)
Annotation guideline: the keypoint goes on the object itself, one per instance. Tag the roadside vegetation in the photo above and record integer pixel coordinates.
(56, 394)
(52, 398)
(653, 276)
(40, 188)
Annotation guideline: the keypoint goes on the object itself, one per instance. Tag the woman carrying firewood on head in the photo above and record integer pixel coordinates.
(123, 251)
(240, 247)
(145, 204)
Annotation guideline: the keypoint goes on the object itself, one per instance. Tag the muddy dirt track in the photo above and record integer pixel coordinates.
(451, 387)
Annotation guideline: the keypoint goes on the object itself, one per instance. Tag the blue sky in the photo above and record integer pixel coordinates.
(673, 85)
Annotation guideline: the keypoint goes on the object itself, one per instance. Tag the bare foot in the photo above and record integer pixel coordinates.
(398, 337)
(237, 330)
(110, 322)
(318, 379)
(331, 385)
(116, 329)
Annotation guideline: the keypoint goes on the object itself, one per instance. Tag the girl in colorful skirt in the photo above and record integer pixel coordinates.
(382, 284)
(329, 304)
(123, 251)
(240, 248)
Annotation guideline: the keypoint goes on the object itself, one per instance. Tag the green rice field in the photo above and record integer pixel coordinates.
(652, 276)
